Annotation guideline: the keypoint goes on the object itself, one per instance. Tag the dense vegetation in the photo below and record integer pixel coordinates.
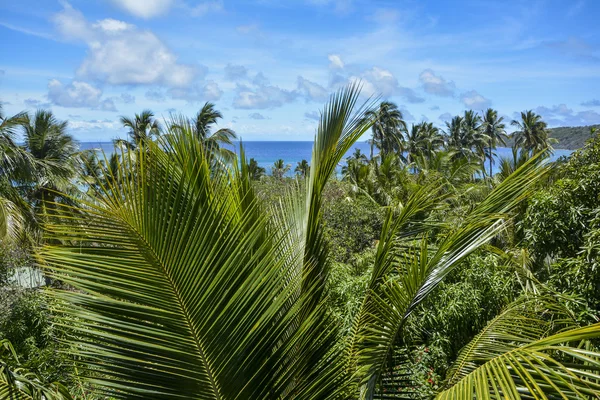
(176, 270)
(569, 137)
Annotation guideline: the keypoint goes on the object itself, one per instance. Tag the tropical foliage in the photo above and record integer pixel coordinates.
(178, 270)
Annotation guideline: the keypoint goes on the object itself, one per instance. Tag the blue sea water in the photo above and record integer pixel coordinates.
(266, 153)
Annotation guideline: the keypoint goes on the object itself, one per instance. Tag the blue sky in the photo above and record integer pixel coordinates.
(270, 65)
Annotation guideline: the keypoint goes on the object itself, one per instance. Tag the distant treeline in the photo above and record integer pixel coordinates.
(569, 137)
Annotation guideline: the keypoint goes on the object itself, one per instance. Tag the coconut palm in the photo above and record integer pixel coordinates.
(203, 294)
(256, 172)
(203, 124)
(302, 168)
(142, 127)
(388, 128)
(422, 139)
(280, 168)
(532, 133)
(494, 129)
(50, 165)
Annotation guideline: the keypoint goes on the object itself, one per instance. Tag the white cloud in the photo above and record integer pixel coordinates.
(335, 61)
(127, 98)
(145, 8)
(78, 94)
(155, 95)
(561, 115)
(94, 125)
(262, 97)
(435, 84)
(312, 90)
(474, 100)
(210, 91)
(120, 53)
(378, 81)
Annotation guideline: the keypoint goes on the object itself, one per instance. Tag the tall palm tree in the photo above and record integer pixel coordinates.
(255, 170)
(203, 294)
(532, 133)
(454, 132)
(494, 129)
(142, 127)
(13, 207)
(302, 168)
(388, 128)
(51, 153)
(203, 124)
(420, 140)
(280, 168)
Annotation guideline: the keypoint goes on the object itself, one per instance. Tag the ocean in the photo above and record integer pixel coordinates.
(266, 153)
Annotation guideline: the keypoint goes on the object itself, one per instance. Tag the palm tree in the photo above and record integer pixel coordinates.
(279, 169)
(143, 127)
(203, 124)
(50, 166)
(456, 142)
(13, 207)
(256, 171)
(203, 294)
(388, 128)
(494, 129)
(532, 133)
(302, 168)
(420, 140)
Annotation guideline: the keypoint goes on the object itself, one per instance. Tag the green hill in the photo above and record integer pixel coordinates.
(569, 137)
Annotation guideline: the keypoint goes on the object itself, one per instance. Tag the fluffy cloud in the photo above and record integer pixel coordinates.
(312, 90)
(335, 62)
(145, 8)
(78, 94)
(95, 125)
(262, 97)
(236, 72)
(120, 53)
(210, 91)
(474, 100)
(436, 85)
(561, 115)
(378, 81)
(591, 103)
(257, 116)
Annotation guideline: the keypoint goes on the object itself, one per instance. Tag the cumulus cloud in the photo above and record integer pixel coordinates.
(257, 116)
(34, 103)
(210, 91)
(311, 90)
(474, 100)
(144, 8)
(95, 125)
(435, 84)
(434, 108)
(262, 96)
(445, 117)
(236, 72)
(120, 53)
(591, 103)
(260, 79)
(312, 115)
(378, 81)
(78, 94)
(335, 61)
(561, 115)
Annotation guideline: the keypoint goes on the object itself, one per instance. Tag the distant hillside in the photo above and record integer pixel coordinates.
(569, 137)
